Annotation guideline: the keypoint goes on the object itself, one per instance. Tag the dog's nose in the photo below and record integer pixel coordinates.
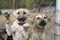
(21, 18)
(42, 23)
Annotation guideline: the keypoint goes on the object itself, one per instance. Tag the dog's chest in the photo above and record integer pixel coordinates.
(37, 35)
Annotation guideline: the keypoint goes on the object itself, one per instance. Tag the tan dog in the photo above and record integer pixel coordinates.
(39, 23)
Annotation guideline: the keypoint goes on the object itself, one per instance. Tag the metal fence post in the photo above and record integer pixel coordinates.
(57, 19)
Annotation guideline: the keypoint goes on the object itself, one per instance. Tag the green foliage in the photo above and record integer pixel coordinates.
(29, 3)
(26, 3)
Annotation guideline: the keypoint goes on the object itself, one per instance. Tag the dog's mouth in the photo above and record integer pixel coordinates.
(21, 23)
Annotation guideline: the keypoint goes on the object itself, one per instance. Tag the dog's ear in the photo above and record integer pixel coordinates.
(45, 16)
(48, 17)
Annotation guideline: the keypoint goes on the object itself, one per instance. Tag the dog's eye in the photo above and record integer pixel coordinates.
(24, 13)
(45, 17)
(18, 13)
(38, 18)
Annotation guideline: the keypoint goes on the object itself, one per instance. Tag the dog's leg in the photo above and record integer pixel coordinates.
(8, 30)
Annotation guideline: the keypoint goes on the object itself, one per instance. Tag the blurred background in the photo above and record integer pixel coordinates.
(30, 4)
(38, 6)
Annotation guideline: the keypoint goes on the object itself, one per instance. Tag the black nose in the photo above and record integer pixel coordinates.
(42, 23)
(21, 18)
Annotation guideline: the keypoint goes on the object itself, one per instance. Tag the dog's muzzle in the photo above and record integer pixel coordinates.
(42, 23)
(21, 19)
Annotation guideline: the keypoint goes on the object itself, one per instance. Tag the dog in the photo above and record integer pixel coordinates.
(20, 25)
(6, 31)
(7, 25)
(39, 24)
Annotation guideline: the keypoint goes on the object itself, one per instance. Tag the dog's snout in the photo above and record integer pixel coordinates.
(21, 18)
(42, 23)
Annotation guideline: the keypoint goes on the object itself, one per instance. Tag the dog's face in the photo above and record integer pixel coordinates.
(21, 15)
(7, 15)
(41, 20)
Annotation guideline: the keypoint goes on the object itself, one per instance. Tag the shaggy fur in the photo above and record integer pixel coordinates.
(19, 27)
(42, 32)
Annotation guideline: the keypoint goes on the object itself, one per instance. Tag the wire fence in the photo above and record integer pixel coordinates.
(10, 5)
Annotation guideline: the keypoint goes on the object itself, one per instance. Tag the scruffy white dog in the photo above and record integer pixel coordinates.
(19, 25)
